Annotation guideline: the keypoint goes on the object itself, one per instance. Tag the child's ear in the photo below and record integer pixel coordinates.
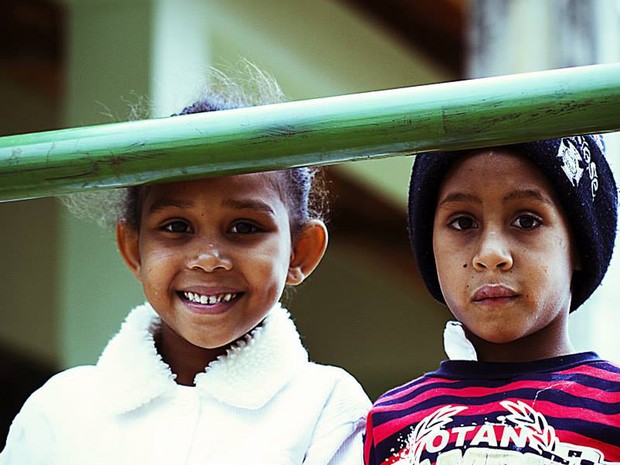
(308, 248)
(129, 247)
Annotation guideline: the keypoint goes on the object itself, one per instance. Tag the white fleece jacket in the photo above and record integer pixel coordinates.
(262, 403)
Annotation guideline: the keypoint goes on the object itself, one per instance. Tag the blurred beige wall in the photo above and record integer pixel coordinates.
(65, 276)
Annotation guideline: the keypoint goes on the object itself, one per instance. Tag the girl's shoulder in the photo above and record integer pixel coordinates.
(67, 379)
(338, 386)
(65, 395)
(334, 377)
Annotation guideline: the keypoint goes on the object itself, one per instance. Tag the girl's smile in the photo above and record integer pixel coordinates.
(209, 301)
(504, 256)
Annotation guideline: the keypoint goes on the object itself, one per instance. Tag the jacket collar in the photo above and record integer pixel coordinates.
(132, 373)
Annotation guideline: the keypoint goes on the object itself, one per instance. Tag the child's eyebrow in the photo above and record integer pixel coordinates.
(459, 197)
(249, 204)
(166, 202)
(526, 194)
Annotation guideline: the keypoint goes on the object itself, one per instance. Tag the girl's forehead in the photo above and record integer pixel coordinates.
(256, 183)
(262, 186)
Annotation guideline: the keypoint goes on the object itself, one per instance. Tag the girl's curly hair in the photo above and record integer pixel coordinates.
(304, 189)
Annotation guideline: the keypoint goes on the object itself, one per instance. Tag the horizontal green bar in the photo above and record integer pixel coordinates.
(456, 115)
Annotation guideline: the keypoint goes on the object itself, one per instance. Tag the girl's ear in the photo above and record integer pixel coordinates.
(128, 245)
(308, 249)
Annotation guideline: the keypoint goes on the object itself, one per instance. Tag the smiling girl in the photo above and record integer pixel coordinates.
(512, 239)
(211, 369)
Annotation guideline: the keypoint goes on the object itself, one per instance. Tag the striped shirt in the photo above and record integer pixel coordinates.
(563, 410)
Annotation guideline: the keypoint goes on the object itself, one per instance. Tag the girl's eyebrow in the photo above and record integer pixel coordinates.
(249, 204)
(168, 202)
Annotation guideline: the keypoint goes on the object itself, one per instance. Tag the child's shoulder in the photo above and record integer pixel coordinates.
(404, 391)
(605, 370)
(67, 391)
(75, 379)
(610, 365)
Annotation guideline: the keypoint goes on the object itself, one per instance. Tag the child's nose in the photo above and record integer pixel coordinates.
(493, 253)
(209, 259)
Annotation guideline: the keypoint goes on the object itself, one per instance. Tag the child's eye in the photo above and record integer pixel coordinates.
(527, 221)
(243, 227)
(177, 227)
(462, 223)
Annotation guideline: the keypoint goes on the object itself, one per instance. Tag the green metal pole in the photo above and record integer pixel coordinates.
(456, 115)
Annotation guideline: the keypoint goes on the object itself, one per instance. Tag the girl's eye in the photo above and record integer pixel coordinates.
(462, 223)
(527, 221)
(177, 227)
(243, 227)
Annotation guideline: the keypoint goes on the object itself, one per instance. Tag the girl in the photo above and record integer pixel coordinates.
(512, 239)
(210, 370)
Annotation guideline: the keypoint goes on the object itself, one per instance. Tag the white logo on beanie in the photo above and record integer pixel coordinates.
(570, 157)
(575, 162)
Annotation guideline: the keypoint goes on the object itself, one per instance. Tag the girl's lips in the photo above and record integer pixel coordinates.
(208, 301)
(493, 292)
(210, 290)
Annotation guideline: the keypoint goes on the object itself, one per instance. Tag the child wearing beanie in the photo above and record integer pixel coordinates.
(512, 239)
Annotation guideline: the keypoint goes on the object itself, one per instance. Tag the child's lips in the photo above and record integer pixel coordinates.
(493, 293)
(209, 300)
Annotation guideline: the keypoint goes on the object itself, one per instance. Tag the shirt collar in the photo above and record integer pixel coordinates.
(254, 369)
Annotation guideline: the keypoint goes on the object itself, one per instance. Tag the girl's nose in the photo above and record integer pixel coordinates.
(210, 259)
(493, 253)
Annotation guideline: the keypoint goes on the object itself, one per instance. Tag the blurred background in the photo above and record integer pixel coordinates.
(64, 63)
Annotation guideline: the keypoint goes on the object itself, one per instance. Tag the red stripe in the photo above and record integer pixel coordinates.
(612, 453)
(407, 391)
(595, 370)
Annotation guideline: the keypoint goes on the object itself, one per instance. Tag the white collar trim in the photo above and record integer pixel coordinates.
(254, 370)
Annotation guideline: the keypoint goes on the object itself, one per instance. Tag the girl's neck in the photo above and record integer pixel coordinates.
(184, 358)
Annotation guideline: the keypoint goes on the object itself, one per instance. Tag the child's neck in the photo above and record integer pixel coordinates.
(184, 358)
(544, 344)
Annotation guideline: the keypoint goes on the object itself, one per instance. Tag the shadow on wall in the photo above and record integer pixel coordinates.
(365, 308)
(19, 376)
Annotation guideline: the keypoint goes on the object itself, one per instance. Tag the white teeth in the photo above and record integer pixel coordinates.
(208, 299)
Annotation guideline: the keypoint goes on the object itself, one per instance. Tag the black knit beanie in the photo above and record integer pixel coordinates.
(578, 172)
